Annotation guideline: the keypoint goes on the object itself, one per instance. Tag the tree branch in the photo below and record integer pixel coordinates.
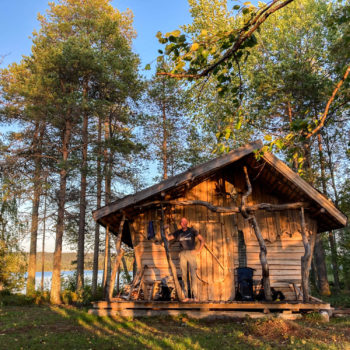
(254, 24)
(323, 119)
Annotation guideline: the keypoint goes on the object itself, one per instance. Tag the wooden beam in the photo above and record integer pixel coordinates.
(230, 210)
(118, 258)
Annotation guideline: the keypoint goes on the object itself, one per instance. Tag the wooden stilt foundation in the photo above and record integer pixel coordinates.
(237, 309)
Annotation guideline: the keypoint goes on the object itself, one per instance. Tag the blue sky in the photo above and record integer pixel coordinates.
(18, 19)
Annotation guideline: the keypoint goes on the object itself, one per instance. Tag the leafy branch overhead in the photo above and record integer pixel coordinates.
(215, 53)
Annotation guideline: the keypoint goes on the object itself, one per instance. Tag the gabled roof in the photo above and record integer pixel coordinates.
(297, 187)
(178, 180)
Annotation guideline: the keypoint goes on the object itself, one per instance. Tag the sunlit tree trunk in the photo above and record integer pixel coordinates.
(55, 296)
(82, 205)
(98, 205)
(165, 138)
(43, 242)
(37, 141)
(108, 174)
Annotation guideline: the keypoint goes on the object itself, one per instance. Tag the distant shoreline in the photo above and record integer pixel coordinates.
(69, 261)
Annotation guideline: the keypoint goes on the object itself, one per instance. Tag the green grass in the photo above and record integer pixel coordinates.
(48, 327)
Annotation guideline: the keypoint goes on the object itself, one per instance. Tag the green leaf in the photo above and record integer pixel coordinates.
(176, 33)
(194, 47)
(236, 7)
(268, 137)
(148, 67)
(279, 144)
(239, 124)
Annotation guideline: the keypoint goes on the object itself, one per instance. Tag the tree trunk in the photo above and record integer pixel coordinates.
(55, 295)
(43, 242)
(37, 141)
(82, 206)
(320, 262)
(334, 257)
(98, 205)
(319, 250)
(34, 231)
(164, 141)
(108, 175)
(331, 237)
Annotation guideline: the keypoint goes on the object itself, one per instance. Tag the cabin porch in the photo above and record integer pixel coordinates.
(233, 309)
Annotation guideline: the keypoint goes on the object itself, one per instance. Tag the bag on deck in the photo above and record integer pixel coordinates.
(150, 231)
(245, 284)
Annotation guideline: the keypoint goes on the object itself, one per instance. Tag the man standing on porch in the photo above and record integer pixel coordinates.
(188, 253)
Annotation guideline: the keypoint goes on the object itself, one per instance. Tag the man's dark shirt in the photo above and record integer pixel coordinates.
(186, 238)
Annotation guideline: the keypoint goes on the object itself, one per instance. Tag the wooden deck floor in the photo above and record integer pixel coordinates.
(288, 309)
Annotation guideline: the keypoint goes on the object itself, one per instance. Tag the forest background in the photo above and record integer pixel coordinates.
(83, 126)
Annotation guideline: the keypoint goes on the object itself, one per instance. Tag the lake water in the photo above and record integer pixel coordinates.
(66, 275)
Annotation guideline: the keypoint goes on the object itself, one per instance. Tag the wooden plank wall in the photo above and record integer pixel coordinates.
(281, 232)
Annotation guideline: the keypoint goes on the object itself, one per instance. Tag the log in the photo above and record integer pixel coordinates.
(305, 260)
(106, 258)
(115, 269)
(118, 258)
(138, 277)
(178, 288)
(229, 210)
(263, 251)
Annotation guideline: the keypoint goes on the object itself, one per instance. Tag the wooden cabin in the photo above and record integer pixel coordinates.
(221, 199)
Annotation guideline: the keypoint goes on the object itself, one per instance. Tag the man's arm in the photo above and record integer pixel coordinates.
(202, 242)
(168, 236)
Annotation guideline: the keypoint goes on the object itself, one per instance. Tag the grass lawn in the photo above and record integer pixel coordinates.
(46, 327)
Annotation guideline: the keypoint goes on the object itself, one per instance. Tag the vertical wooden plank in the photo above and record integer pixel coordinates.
(217, 270)
(203, 264)
(210, 234)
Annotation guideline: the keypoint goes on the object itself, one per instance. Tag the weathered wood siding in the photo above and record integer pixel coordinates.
(281, 231)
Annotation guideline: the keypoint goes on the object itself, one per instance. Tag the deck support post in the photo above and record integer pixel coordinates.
(118, 259)
(306, 258)
(178, 288)
(106, 258)
(263, 251)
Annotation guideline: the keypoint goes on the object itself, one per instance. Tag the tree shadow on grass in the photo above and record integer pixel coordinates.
(165, 332)
(72, 328)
